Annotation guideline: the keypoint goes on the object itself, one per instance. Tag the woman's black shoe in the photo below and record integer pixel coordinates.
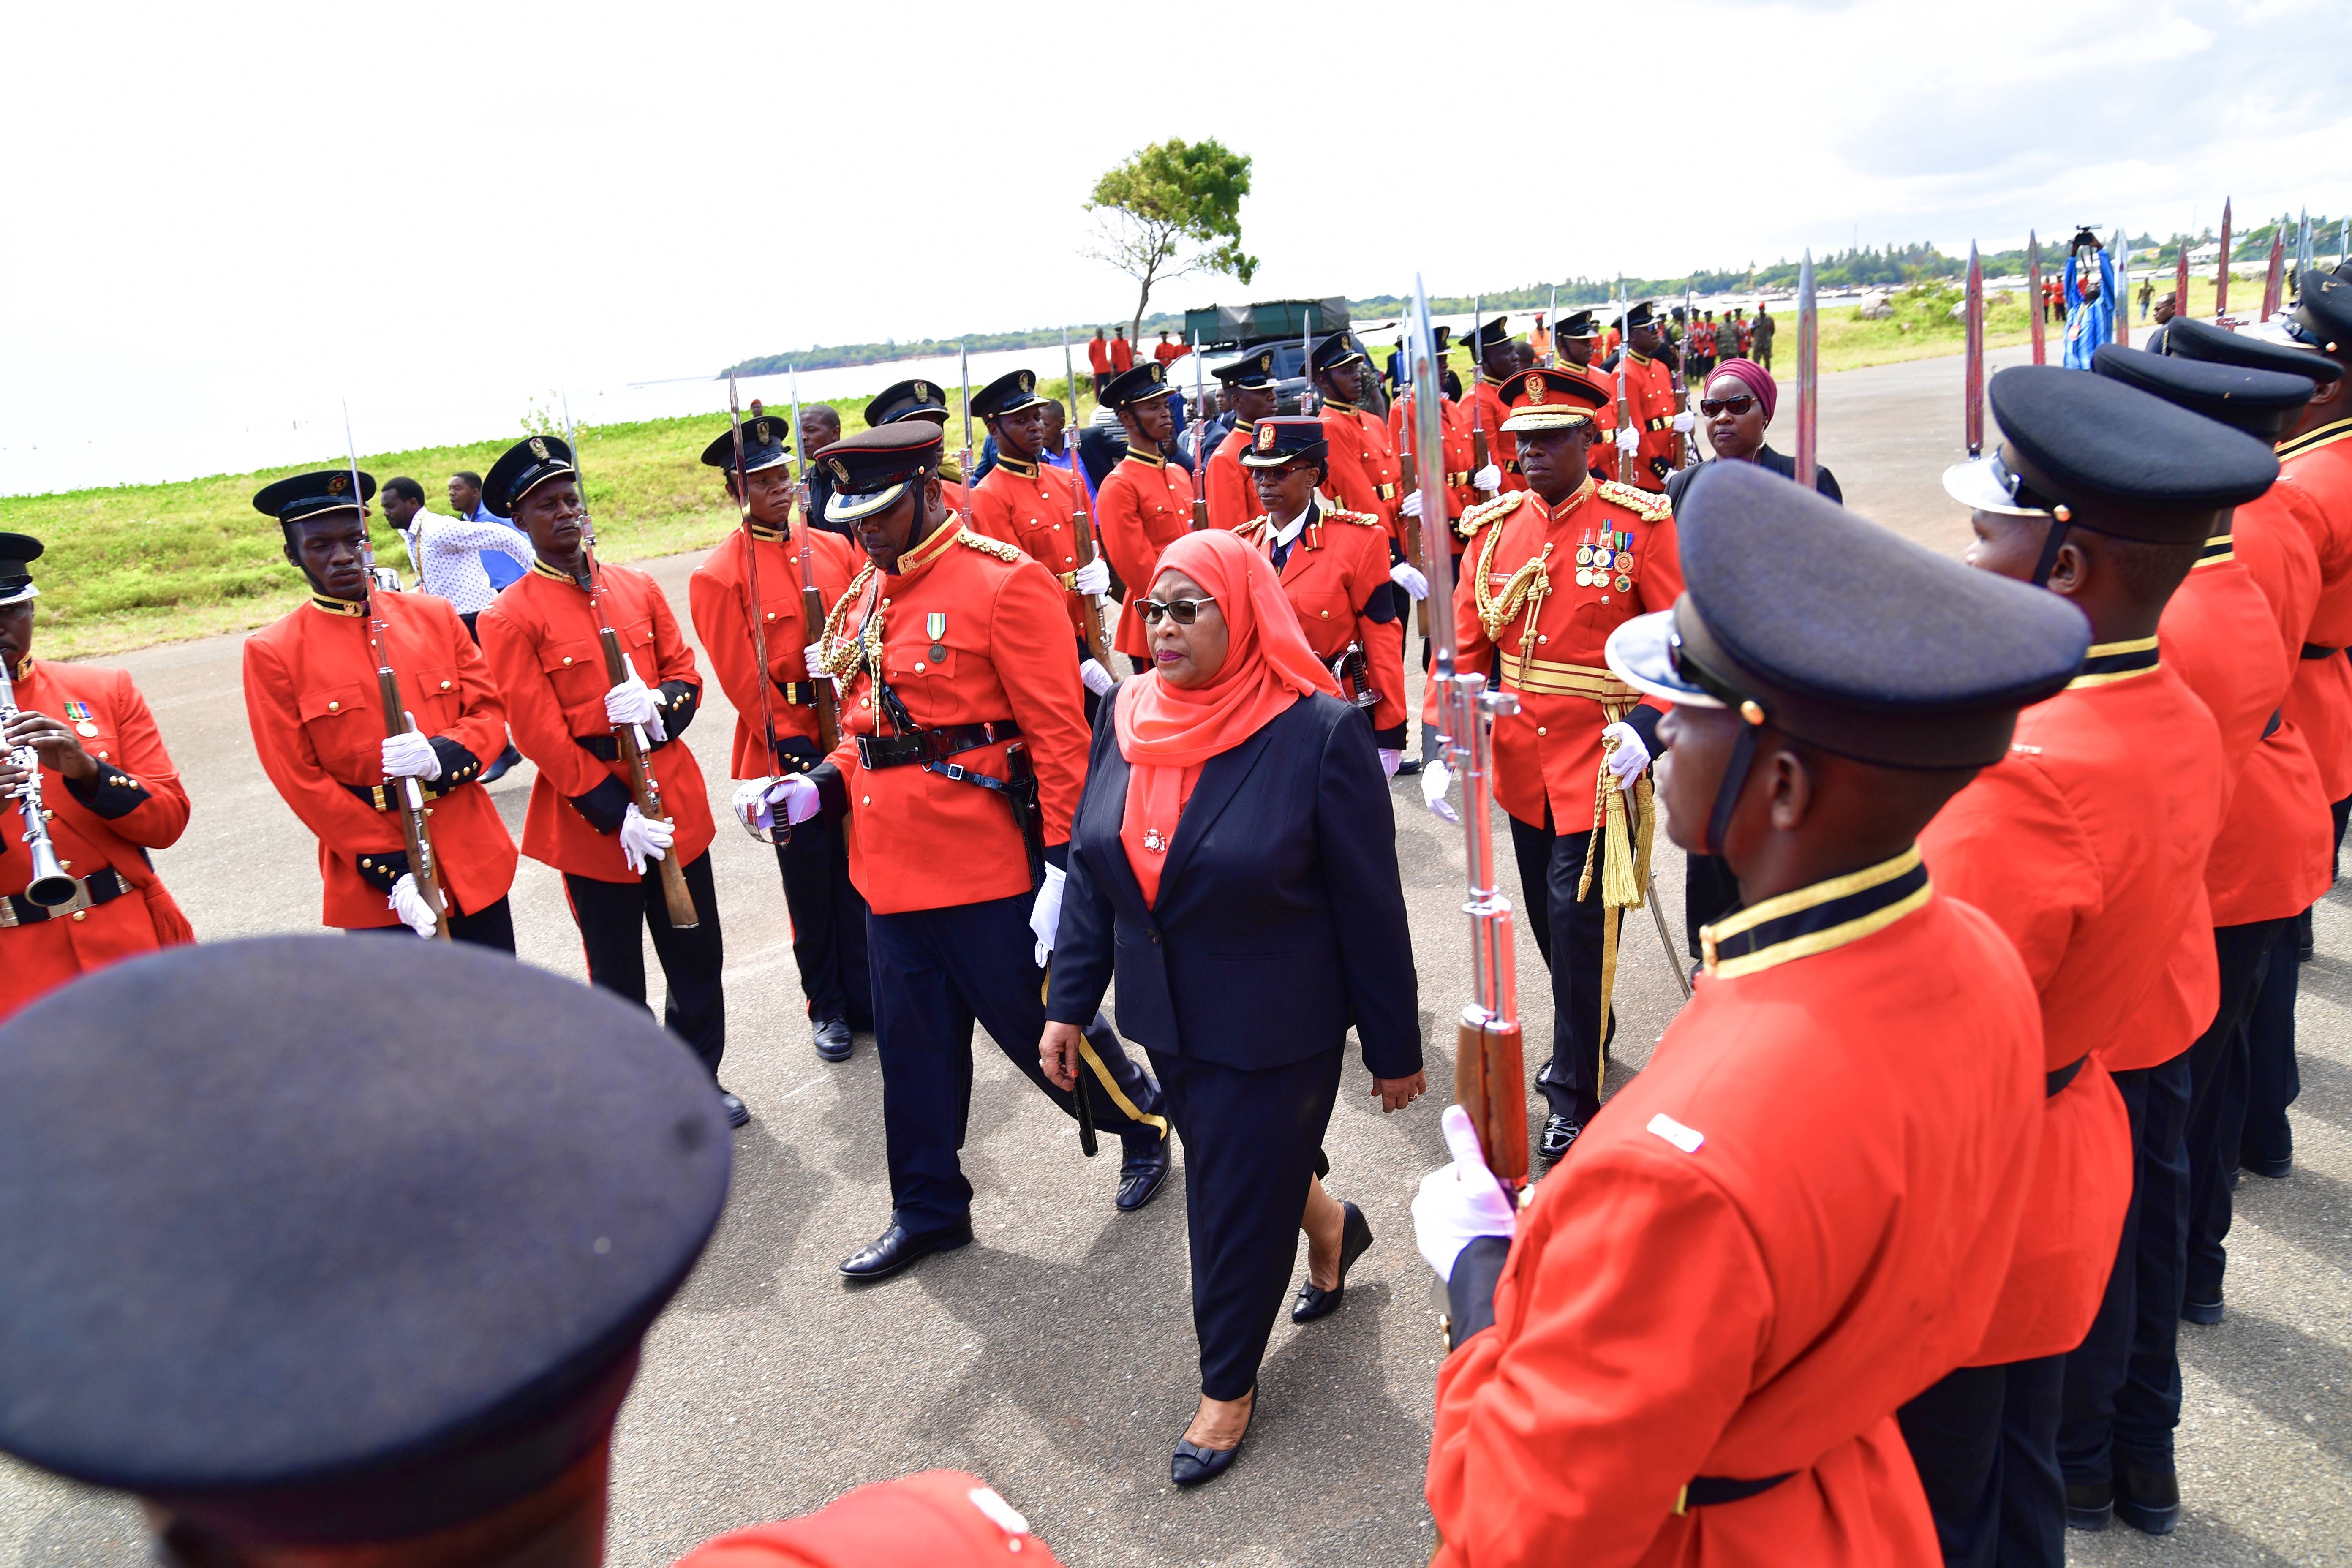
(1355, 1235)
(1191, 1464)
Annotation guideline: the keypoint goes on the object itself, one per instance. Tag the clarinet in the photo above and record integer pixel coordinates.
(50, 886)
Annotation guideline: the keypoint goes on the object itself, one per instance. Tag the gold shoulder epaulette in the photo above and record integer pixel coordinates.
(1360, 519)
(1477, 517)
(988, 546)
(1651, 507)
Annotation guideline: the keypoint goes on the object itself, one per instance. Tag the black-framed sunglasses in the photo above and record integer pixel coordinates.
(1183, 611)
(1713, 407)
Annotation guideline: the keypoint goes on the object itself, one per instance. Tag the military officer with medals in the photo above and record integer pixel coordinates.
(1250, 392)
(1145, 501)
(828, 918)
(1337, 568)
(1649, 401)
(1569, 766)
(1689, 1344)
(110, 793)
(543, 641)
(1034, 506)
(914, 400)
(317, 720)
(963, 749)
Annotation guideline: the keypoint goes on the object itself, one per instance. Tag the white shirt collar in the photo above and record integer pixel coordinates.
(1285, 536)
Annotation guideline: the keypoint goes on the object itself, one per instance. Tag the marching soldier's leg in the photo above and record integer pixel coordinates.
(808, 859)
(856, 971)
(2266, 1143)
(691, 961)
(2217, 1115)
(611, 918)
(490, 926)
(1953, 1430)
(2147, 1405)
(2094, 1369)
(923, 1035)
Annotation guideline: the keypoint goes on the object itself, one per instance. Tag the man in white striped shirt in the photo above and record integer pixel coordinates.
(447, 552)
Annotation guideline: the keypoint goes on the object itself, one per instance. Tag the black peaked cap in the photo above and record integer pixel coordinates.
(870, 469)
(2122, 461)
(907, 399)
(1333, 351)
(17, 553)
(767, 441)
(2324, 313)
(1253, 370)
(2249, 400)
(1579, 324)
(1139, 385)
(301, 495)
(1277, 442)
(310, 1247)
(1853, 638)
(2187, 338)
(523, 467)
(1008, 393)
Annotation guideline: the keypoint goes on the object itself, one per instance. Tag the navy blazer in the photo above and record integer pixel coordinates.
(1280, 919)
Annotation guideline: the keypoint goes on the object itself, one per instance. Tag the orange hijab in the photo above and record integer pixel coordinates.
(1167, 733)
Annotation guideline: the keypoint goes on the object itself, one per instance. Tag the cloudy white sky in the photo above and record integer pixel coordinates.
(202, 200)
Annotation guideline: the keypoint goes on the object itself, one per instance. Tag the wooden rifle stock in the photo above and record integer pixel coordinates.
(1082, 547)
(1490, 1083)
(415, 832)
(828, 701)
(676, 896)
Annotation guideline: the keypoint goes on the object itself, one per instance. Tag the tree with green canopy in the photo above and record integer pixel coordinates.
(1173, 208)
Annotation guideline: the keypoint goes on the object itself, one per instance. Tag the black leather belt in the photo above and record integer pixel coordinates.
(2055, 1081)
(386, 796)
(100, 886)
(798, 693)
(1704, 1492)
(2313, 650)
(926, 746)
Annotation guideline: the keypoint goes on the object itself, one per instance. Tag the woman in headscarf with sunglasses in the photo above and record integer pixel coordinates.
(1233, 863)
(1735, 409)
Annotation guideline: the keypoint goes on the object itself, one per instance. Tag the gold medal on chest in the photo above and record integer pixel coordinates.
(87, 728)
(1584, 576)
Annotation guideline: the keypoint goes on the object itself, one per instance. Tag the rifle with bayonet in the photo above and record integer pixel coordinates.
(1809, 373)
(1092, 626)
(628, 738)
(1972, 384)
(415, 824)
(1200, 448)
(813, 613)
(2033, 287)
(1479, 460)
(1629, 464)
(752, 610)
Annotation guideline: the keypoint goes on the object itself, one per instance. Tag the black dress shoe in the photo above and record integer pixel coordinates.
(737, 1112)
(497, 770)
(833, 1041)
(895, 1249)
(1355, 1235)
(2147, 1498)
(1558, 1134)
(1140, 1174)
(2204, 1312)
(1191, 1464)
(2270, 1170)
(2088, 1508)
(1408, 767)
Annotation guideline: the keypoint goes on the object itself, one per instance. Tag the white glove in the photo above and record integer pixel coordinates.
(1626, 763)
(1684, 424)
(1436, 778)
(1045, 914)
(1093, 577)
(816, 660)
(757, 801)
(1459, 1203)
(1629, 440)
(409, 903)
(643, 839)
(1411, 505)
(634, 702)
(1390, 762)
(1406, 576)
(1488, 478)
(410, 755)
(1098, 681)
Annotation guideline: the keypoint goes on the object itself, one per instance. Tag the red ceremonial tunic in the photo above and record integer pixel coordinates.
(1649, 399)
(918, 840)
(1231, 493)
(310, 695)
(719, 598)
(1144, 505)
(1031, 507)
(1521, 567)
(1337, 566)
(1791, 1221)
(1363, 465)
(1454, 456)
(543, 642)
(2087, 845)
(1502, 448)
(135, 805)
(2317, 467)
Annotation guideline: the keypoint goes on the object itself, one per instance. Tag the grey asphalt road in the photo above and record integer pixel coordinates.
(1055, 1357)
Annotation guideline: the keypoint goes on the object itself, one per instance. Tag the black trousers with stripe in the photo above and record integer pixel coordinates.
(614, 917)
(1569, 934)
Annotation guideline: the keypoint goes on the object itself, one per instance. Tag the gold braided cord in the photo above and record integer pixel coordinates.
(1624, 857)
(840, 653)
(1529, 585)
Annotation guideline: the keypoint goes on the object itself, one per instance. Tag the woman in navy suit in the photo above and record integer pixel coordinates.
(1233, 863)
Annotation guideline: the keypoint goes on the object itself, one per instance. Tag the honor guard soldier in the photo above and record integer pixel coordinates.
(1337, 568)
(1034, 506)
(961, 757)
(1145, 501)
(2315, 464)
(1690, 1345)
(1578, 336)
(544, 640)
(312, 698)
(1362, 464)
(828, 918)
(1649, 402)
(106, 794)
(914, 400)
(2087, 845)
(1549, 571)
(1460, 494)
(1491, 355)
(1250, 392)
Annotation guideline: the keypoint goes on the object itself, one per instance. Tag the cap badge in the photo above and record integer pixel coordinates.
(338, 485)
(538, 449)
(1265, 361)
(840, 472)
(760, 432)
(922, 393)
(1028, 382)
(1157, 370)
(1266, 435)
(1535, 388)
